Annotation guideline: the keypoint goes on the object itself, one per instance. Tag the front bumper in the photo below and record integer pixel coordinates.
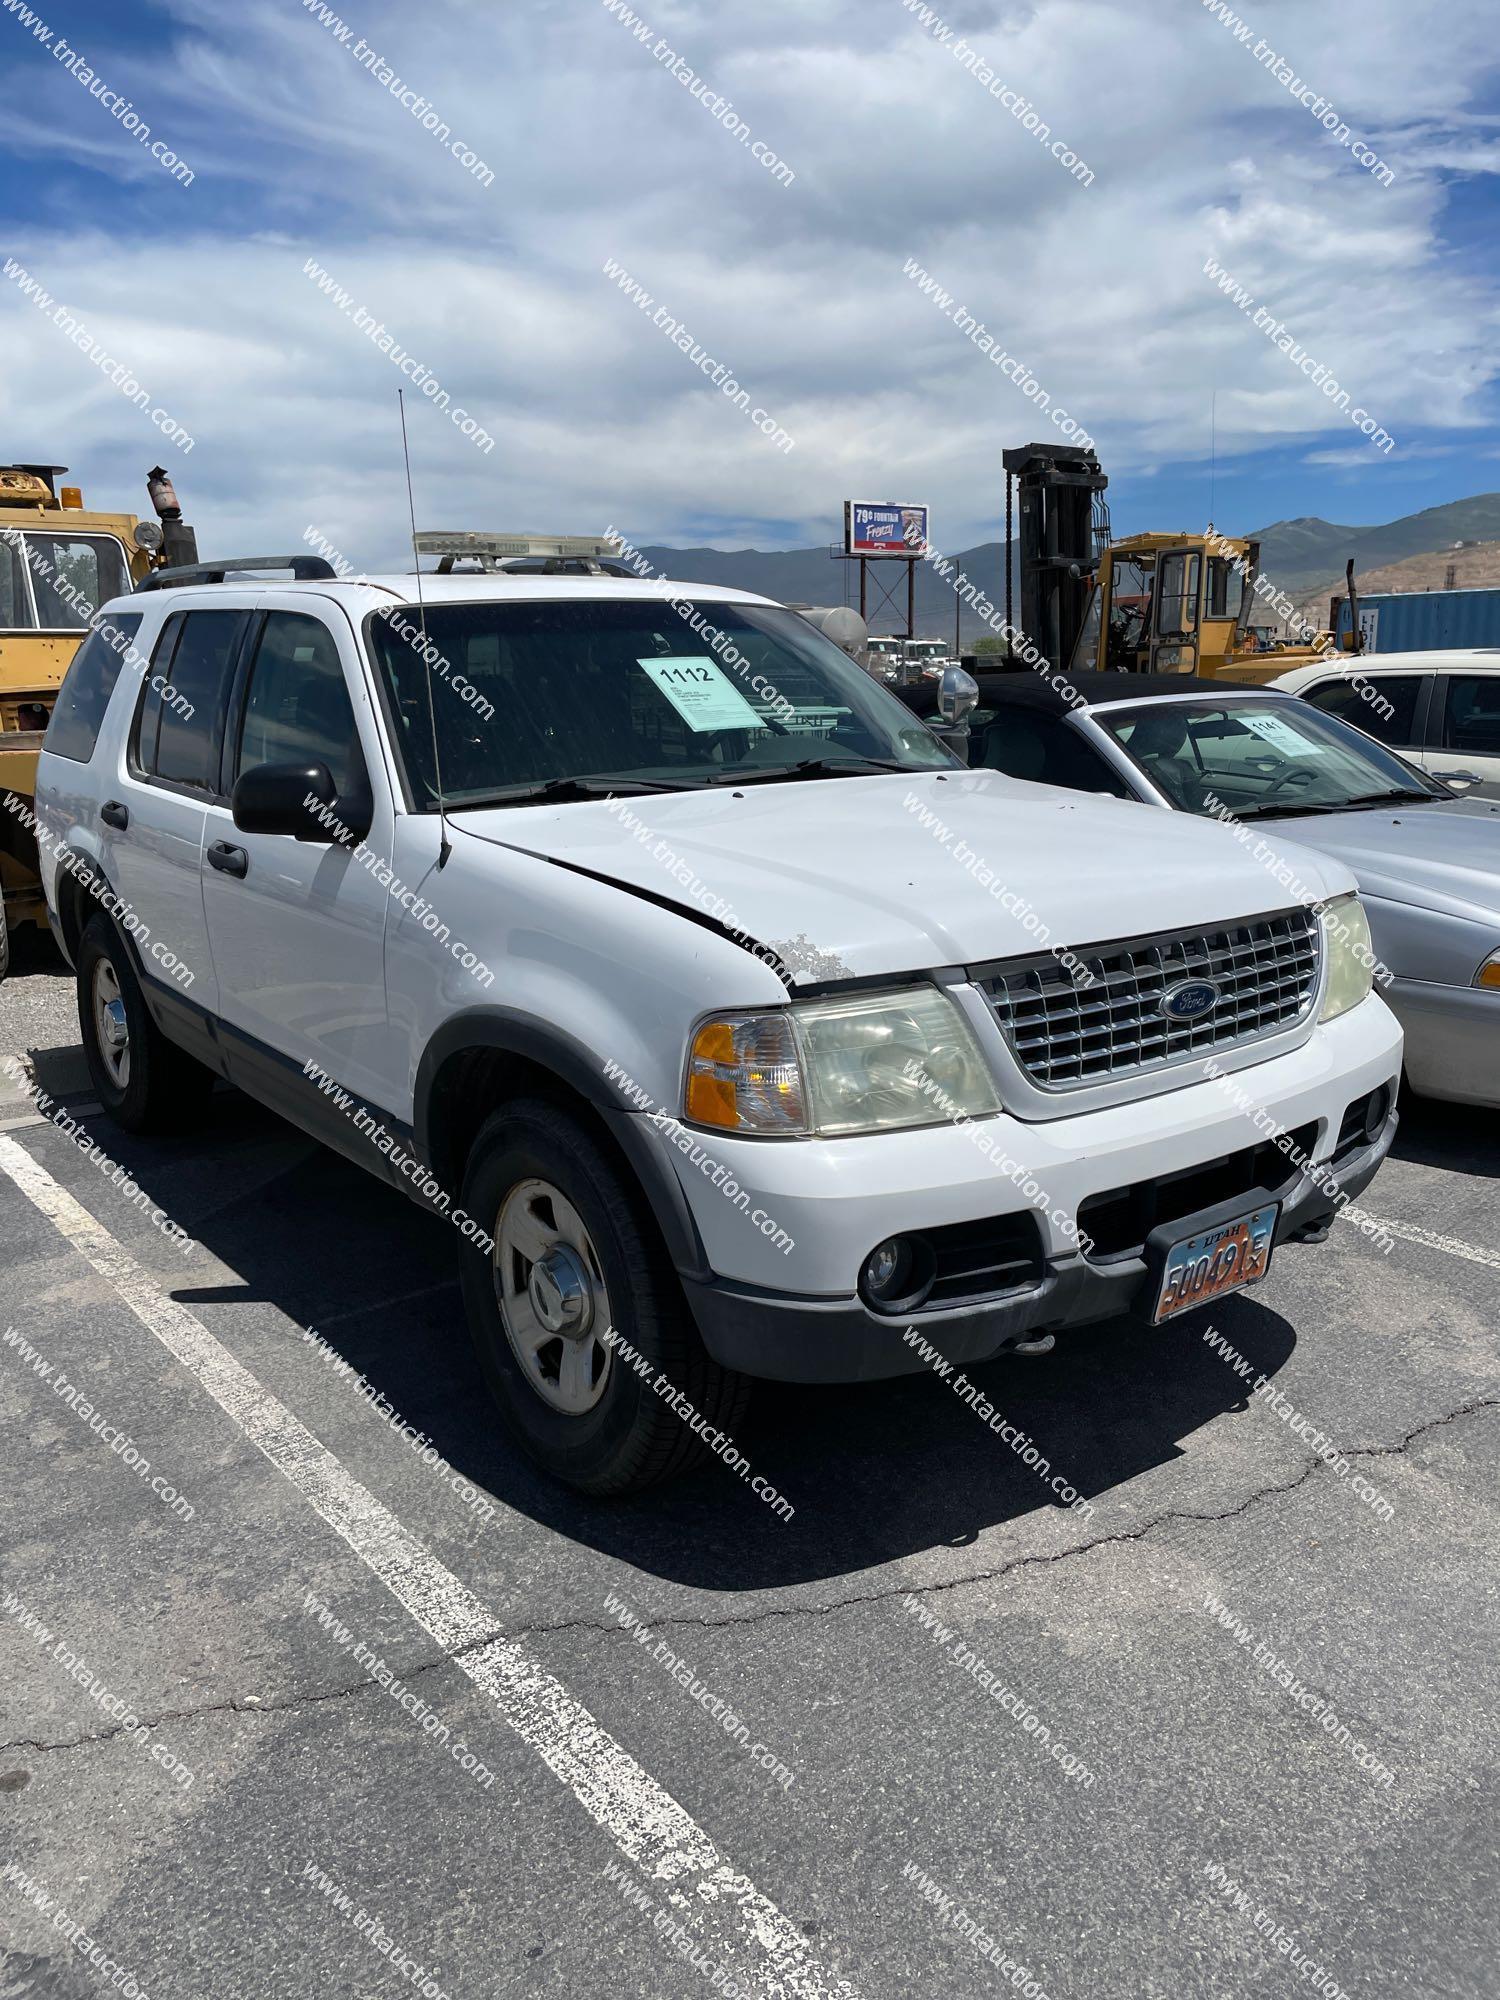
(787, 1339)
(790, 1310)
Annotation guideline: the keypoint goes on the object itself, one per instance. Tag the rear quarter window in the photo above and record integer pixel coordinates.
(78, 714)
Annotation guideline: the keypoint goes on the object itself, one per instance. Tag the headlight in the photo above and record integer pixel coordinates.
(1489, 973)
(877, 1063)
(1351, 956)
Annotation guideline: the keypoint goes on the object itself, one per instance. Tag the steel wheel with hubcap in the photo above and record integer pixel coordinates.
(145, 1082)
(577, 1255)
(553, 1301)
(111, 1026)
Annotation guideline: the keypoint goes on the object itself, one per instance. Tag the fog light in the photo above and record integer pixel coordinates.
(898, 1274)
(884, 1266)
(1376, 1112)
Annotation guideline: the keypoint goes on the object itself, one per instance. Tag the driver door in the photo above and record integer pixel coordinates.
(297, 927)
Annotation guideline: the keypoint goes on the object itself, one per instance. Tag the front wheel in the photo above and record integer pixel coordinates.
(144, 1082)
(576, 1259)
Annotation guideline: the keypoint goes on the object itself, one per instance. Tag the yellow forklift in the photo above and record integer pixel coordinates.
(1142, 604)
(58, 562)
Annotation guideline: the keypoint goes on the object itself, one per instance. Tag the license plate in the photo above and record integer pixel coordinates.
(1220, 1260)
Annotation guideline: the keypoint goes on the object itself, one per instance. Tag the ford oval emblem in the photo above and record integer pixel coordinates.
(1190, 1000)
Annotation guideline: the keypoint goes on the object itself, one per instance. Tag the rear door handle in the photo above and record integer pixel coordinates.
(114, 814)
(228, 860)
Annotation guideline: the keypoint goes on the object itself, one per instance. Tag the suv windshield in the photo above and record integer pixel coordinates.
(632, 691)
(1260, 756)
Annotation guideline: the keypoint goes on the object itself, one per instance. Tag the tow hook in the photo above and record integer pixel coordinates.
(1042, 1343)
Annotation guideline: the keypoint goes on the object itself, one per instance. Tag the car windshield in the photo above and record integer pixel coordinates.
(601, 690)
(1260, 756)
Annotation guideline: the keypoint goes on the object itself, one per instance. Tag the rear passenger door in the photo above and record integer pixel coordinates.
(1464, 733)
(154, 805)
(298, 936)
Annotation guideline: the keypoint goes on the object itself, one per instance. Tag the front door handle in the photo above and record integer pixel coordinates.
(228, 860)
(114, 814)
(1458, 777)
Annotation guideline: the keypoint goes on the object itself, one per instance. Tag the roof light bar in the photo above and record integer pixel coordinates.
(494, 547)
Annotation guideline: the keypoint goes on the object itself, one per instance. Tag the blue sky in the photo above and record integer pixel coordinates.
(902, 153)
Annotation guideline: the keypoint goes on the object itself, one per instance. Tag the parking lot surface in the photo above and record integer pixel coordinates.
(297, 1700)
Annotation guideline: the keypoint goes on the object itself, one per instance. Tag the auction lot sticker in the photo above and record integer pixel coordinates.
(701, 692)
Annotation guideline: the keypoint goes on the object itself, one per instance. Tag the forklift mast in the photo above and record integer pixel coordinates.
(1059, 494)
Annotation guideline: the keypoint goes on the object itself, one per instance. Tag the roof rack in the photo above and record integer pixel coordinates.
(304, 569)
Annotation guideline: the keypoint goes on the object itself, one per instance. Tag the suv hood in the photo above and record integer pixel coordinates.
(860, 877)
(1445, 856)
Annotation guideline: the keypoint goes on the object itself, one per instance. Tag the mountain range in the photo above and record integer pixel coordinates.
(1298, 555)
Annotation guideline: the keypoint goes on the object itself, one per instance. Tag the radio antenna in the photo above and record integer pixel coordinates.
(1213, 451)
(446, 846)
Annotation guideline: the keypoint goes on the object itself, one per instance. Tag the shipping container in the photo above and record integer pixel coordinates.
(1419, 621)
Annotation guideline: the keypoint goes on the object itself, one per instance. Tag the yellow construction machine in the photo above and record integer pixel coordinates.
(1143, 604)
(1188, 604)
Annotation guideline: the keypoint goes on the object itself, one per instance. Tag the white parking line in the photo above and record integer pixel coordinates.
(1409, 1232)
(739, 1926)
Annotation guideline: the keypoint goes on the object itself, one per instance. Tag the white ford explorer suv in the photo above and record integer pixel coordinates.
(740, 1030)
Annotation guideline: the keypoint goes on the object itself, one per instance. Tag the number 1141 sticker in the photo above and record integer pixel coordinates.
(701, 692)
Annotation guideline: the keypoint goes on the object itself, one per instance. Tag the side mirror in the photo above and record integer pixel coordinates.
(958, 694)
(298, 800)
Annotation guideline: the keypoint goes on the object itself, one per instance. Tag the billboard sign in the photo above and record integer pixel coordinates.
(884, 528)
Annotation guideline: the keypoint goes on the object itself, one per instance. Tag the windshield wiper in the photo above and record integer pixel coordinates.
(1284, 809)
(1405, 796)
(563, 791)
(817, 767)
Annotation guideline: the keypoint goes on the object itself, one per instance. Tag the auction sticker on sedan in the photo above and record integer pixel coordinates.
(1219, 1260)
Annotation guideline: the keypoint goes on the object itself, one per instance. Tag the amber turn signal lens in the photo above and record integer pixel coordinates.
(744, 1076)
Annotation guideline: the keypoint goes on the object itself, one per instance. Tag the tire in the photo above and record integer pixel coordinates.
(601, 1427)
(157, 1088)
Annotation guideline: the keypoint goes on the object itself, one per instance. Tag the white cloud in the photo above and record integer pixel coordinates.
(599, 153)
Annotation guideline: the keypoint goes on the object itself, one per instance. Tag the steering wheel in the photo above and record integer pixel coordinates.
(1294, 774)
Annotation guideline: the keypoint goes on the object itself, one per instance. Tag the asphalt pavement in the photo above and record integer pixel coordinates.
(297, 1701)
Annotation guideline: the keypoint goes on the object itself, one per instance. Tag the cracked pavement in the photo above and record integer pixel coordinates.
(811, 1629)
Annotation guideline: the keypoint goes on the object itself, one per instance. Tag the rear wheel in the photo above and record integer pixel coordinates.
(144, 1082)
(575, 1258)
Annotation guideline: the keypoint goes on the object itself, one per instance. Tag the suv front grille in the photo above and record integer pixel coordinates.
(1067, 1036)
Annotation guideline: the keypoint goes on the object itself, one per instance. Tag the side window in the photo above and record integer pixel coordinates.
(86, 689)
(297, 710)
(1471, 714)
(15, 606)
(1045, 751)
(73, 575)
(1394, 721)
(1177, 596)
(182, 726)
